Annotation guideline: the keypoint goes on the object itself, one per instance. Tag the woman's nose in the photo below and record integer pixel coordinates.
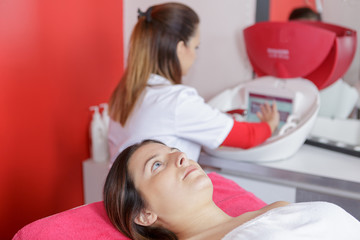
(180, 159)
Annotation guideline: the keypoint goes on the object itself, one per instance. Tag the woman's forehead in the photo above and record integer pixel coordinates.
(147, 150)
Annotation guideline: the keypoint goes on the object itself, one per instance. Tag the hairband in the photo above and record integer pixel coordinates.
(146, 14)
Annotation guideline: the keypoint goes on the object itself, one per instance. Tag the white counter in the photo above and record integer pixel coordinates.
(321, 162)
(313, 173)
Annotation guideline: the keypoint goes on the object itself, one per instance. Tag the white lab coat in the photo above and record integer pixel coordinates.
(173, 114)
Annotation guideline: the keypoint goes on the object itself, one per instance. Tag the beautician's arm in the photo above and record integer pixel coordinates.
(246, 135)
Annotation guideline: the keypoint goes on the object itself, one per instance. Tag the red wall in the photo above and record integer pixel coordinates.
(281, 9)
(57, 58)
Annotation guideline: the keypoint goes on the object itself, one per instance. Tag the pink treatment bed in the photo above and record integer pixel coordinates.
(91, 222)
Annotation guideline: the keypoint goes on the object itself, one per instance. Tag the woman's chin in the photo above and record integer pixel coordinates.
(201, 181)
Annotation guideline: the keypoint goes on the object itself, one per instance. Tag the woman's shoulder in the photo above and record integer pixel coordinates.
(161, 87)
(159, 82)
(254, 214)
(274, 205)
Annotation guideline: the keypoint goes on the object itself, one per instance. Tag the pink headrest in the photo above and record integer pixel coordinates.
(90, 222)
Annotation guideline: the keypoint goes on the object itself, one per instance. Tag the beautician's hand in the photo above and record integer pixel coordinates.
(269, 114)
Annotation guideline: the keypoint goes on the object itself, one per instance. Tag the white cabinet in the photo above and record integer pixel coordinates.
(266, 191)
(94, 175)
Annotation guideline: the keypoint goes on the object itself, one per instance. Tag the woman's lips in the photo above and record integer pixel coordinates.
(189, 170)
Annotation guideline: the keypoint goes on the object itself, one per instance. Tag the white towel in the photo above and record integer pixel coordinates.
(310, 221)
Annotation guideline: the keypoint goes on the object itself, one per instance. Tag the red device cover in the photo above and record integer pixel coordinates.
(316, 51)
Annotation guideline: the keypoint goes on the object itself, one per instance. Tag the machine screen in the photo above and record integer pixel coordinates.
(284, 105)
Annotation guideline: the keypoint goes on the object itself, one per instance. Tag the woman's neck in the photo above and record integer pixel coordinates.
(212, 223)
(203, 223)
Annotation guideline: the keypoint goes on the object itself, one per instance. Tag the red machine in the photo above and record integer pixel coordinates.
(316, 51)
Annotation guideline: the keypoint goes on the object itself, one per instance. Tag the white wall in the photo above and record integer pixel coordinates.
(222, 61)
(346, 13)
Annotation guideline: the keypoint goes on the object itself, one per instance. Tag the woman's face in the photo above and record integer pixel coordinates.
(187, 52)
(169, 182)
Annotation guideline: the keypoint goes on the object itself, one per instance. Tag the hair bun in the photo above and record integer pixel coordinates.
(146, 14)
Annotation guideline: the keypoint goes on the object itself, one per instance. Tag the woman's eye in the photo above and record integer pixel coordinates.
(155, 166)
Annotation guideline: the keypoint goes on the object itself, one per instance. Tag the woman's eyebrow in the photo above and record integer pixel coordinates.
(156, 155)
(148, 160)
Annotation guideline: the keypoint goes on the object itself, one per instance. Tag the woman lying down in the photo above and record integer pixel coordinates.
(155, 192)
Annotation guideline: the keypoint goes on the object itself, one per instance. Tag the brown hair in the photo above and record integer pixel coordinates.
(152, 49)
(123, 203)
(304, 13)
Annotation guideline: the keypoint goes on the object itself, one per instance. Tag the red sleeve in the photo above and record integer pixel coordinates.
(246, 135)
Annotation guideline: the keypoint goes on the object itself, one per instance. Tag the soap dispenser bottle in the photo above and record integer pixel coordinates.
(98, 134)
(105, 115)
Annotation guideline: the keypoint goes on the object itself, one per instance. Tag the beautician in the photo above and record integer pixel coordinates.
(151, 102)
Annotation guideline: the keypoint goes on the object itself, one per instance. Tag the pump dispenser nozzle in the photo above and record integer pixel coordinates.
(98, 134)
(105, 115)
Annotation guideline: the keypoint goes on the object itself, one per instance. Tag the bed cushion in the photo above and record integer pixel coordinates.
(91, 222)
(233, 199)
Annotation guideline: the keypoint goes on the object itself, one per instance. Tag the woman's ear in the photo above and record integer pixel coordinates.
(180, 48)
(145, 218)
